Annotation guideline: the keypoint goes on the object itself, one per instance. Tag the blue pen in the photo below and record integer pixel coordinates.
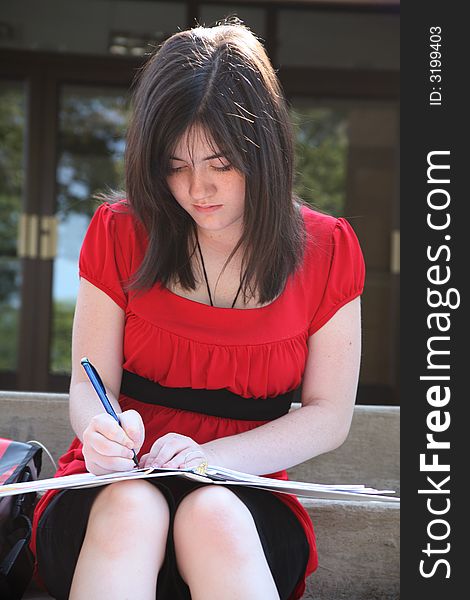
(101, 391)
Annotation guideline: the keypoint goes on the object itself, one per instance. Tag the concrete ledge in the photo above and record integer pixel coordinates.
(43, 417)
(370, 455)
(358, 548)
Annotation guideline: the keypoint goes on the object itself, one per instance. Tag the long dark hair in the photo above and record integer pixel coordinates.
(221, 80)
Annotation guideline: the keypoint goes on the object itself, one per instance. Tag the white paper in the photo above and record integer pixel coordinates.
(215, 476)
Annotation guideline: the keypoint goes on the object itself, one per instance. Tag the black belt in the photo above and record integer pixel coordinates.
(217, 403)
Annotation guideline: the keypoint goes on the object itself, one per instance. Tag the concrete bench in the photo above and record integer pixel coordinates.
(358, 542)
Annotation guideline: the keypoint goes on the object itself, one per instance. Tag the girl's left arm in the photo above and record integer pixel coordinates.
(323, 421)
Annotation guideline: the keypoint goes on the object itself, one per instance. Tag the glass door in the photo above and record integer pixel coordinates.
(12, 150)
(90, 147)
(62, 130)
(347, 165)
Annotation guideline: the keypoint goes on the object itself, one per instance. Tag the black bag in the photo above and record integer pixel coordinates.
(18, 462)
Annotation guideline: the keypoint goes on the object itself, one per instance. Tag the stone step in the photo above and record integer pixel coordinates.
(358, 549)
(43, 417)
(370, 455)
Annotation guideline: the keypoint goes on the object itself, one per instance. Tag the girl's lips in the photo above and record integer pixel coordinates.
(207, 209)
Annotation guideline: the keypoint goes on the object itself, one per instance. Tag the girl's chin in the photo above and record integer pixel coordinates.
(218, 225)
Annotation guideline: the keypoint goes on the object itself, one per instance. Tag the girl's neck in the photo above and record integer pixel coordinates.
(218, 243)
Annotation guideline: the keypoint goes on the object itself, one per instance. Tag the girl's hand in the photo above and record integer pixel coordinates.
(107, 448)
(174, 451)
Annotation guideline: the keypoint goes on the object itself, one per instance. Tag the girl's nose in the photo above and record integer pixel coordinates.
(200, 186)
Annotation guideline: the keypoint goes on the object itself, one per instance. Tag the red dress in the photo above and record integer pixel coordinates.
(177, 342)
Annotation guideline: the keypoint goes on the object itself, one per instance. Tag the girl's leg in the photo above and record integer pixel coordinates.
(124, 545)
(218, 550)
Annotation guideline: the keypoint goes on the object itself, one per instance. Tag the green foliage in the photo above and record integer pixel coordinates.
(8, 338)
(9, 214)
(321, 156)
(11, 135)
(11, 187)
(11, 183)
(62, 319)
(91, 143)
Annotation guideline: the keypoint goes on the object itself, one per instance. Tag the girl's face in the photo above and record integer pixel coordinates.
(205, 184)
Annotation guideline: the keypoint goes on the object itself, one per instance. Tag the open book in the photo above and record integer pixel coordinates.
(215, 476)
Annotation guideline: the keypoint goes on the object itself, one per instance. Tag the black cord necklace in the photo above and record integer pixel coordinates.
(207, 281)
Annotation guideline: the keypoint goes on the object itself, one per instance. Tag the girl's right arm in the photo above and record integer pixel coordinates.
(98, 331)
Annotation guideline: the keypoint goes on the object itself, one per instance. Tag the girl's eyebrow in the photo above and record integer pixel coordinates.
(219, 155)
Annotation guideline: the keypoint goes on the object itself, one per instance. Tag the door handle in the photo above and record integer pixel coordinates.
(48, 237)
(28, 236)
(395, 252)
(37, 236)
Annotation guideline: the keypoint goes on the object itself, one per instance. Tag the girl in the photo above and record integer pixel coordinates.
(208, 295)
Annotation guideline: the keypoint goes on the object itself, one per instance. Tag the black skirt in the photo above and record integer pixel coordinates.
(61, 531)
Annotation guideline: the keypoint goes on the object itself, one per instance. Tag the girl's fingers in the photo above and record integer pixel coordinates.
(108, 464)
(187, 459)
(106, 447)
(168, 438)
(143, 460)
(171, 450)
(146, 462)
(167, 447)
(166, 454)
(112, 463)
(133, 425)
(110, 429)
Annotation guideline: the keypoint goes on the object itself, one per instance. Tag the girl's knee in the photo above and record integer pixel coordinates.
(128, 510)
(214, 518)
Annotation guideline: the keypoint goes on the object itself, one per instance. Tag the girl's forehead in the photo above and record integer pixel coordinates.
(196, 140)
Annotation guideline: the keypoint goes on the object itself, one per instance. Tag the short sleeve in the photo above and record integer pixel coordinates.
(346, 274)
(102, 260)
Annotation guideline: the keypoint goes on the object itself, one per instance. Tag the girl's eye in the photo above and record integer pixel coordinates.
(220, 169)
